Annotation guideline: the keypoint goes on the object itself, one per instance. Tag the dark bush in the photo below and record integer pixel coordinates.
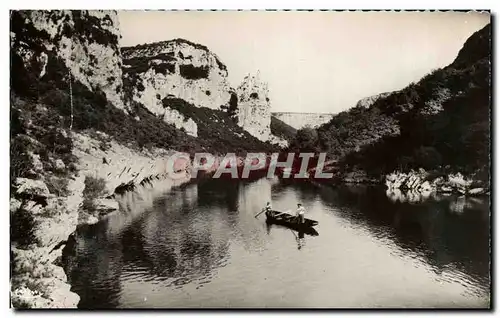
(94, 188)
(164, 68)
(280, 129)
(427, 158)
(189, 71)
(233, 103)
(22, 228)
(306, 140)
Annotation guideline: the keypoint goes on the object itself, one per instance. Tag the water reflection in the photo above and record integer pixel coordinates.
(200, 245)
(299, 236)
(449, 232)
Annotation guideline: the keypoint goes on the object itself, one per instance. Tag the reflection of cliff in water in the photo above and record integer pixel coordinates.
(183, 237)
(95, 260)
(175, 238)
(237, 201)
(439, 228)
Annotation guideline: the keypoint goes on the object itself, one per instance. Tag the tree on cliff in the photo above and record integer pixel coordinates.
(306, 140)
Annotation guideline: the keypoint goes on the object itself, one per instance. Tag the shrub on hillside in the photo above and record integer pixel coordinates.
(189, 71)
(217, 130)
(94, 188)
(57, 185)
(306, 140)
(280, 129)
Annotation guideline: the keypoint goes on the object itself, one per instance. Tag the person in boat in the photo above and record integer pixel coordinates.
(300, 213)
(268, 207)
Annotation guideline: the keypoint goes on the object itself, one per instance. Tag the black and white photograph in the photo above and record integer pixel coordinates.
(250, 159)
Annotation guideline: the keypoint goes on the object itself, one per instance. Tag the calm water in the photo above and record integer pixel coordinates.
(200, 246)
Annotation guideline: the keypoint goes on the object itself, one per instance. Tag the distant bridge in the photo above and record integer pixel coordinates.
(301, 120)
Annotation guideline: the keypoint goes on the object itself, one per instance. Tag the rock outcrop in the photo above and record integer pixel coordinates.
(368, 101)
(421, 182)
(31, 188)
(179, 69)
(86, 41)
(254, 108)
(176, 68)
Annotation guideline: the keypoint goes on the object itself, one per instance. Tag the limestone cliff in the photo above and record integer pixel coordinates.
(178, 68)
(77, 142)
(368, 101)
(254, 108)
(182, 70)
(85, 41)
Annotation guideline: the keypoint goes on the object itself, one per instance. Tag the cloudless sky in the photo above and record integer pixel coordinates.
(315, 61)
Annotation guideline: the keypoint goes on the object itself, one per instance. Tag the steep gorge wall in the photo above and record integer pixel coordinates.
(301, 120)
(178, 69)
(49, 51)
(175, 69)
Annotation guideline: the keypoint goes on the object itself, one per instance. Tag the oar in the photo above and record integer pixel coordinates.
(263, 210)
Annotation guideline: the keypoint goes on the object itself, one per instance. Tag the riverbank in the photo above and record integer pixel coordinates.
(109, 176)
(423, 182)
(121, 176)
(38, 280)
(203, 240)
(415, 181)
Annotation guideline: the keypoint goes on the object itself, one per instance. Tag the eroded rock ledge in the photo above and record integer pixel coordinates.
(422, 181)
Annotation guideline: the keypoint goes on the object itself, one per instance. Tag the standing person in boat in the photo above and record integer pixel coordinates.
(300, 213)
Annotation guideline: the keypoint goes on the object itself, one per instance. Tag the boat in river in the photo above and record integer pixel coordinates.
(290, 221)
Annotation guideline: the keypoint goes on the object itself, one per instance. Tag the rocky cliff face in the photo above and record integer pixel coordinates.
(85, 41)
(254, 108)
(182, 70)
(301, 120)
(176, 68)
(368, 101)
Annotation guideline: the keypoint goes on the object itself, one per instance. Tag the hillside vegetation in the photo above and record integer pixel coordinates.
(217, 130)
(441, 122)
(282, 130)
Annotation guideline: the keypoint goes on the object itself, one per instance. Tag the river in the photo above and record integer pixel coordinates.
(200, 246)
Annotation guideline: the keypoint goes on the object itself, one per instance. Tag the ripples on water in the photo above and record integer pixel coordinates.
(200, 246)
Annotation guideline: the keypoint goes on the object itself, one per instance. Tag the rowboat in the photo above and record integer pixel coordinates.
(288, 220)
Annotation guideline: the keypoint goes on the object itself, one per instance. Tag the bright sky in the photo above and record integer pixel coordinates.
(315, 61)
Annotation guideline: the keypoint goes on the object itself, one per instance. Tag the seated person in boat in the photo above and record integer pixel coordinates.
(300, 213)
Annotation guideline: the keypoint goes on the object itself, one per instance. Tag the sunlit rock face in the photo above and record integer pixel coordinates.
(254, 108)
(368, 101)
(175, 69)
(86, 41)
(301, 120)
(179, 69)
